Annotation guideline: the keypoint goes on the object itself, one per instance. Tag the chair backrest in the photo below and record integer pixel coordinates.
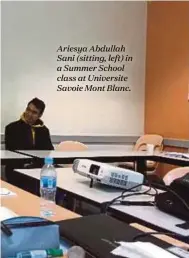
(71, 146)
(174, 174)
(156, 140)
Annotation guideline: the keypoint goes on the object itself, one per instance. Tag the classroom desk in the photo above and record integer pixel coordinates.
(163, 157)
(152, 216)
(107, 156)
(78, 186)
(24, 198)
(27, 204)
(13, 158)
(140, 157)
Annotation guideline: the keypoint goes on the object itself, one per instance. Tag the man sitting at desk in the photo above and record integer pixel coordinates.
(29, 132)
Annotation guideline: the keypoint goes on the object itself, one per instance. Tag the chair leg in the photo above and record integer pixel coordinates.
(74, 204)
(80, 205)
(135, 166)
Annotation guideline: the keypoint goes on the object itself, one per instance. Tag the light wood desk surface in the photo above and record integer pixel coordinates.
(27, 204)
(165, 238)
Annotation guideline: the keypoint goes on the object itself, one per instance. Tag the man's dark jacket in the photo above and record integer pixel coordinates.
(21, 136)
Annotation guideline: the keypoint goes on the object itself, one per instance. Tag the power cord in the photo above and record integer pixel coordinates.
(106, 205)
(145, 192)
(150, 185)
(123, 202)
(116, 201)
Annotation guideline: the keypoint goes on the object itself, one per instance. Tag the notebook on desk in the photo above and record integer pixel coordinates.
(6, 213)
(177, 155)
(97, 234)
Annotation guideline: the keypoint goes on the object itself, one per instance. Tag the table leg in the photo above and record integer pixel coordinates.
(141, 166)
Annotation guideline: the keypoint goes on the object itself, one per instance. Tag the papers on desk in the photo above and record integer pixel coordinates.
(177, 155)
(185, 155)
(141, 250)
(6, 192)
(5, 213)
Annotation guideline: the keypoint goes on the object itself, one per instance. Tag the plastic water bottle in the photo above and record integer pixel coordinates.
(48, 181)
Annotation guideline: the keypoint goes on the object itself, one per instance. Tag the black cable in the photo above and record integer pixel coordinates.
(133, 194)
(145, 192)
(178, 236)
(108, 204)
(126, 190)
(164, 187)
(150, 185)
(140, 193)
(137, 203)
(123, 202)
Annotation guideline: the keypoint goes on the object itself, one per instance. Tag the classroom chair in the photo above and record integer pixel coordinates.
(174, 174)
(71, 146)
(141, 145)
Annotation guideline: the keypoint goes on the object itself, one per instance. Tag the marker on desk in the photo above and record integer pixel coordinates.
(49, 253)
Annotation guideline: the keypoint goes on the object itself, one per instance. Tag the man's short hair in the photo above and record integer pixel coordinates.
(38, 103)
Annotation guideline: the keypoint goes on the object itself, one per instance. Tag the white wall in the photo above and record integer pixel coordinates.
(31, 34)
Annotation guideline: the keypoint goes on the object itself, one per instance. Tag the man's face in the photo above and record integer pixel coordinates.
(32, 114)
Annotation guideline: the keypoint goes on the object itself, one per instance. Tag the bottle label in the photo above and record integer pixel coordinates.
(33, 254)
(48, 182)
(38, 254)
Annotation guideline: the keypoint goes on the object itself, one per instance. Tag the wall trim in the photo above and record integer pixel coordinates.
(176, 143)
(122, 140)
(97, 139)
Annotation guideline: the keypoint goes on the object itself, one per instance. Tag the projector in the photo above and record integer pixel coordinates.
(107, 174)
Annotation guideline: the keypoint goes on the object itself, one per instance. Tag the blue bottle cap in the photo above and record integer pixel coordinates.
(48, 160)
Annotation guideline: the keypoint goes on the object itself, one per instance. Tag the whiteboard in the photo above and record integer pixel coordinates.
(32, 32)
